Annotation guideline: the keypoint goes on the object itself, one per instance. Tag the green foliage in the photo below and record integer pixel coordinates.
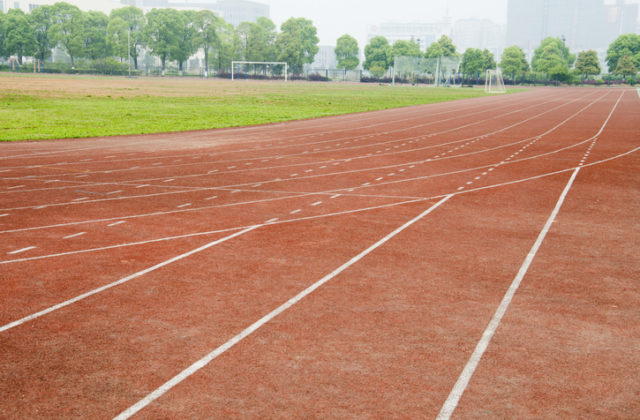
(135, 22)
(403, 48)
(94, 39)
(514, 62)
(626, 67)
(2, 32)
(68, 29)
(41, 21)
(297, 43)
(347, 52)
(186, 41)
(162, 33)
(441, 48)
(624, 45)
(552, 54)
(207, 25)
(587, 63)
(18, 36)
(475, 61)
(377, 56)
(117, 34)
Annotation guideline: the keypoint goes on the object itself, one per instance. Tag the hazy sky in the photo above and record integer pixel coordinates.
(334, 18)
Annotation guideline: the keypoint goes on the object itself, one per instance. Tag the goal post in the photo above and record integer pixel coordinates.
(494, 82)
(265, 63)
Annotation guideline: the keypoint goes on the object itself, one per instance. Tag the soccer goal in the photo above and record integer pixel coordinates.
(262, 68)
(494, 82)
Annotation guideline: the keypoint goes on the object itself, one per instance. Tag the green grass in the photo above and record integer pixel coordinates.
(168, 105)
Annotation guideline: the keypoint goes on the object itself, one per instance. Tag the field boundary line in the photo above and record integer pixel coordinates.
(123, 280)
(256, 325)
(461, 384)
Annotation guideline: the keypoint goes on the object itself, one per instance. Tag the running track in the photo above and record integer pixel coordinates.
(469, 259)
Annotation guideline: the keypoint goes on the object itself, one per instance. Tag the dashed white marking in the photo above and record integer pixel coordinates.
(116, 223)
(380, 179)
(184, 205)
(258, 324)
(296, 211)
(335, 196)
(168, 180)
(143, 186)
(19, 251)
(317, 203)
(114, 192)
(75, 235)
(80, 199)
(15, 187)
(121, 281)
(4, 215)
(272, 220)
(211, 198)
(236, 191)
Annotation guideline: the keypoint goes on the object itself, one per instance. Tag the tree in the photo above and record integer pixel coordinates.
(186, 41)
(117, 37)
(41, 21)
(626, 67)
(68, 29)
(347, 52)
(473, 62)
(2, 30)
(587, 63)
(228, 46)
(18, 38)
(489, 59)
(377, 56)
(552, 54)
(162, 33)
(207, 24)
(261, 40)
(624, 45)
(135, 22)
(297, 43)
(403, 48)
(513, 62)
(441, 48)
(95, 35)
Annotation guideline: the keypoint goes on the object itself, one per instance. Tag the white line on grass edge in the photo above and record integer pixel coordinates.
(124, 280)
(458, 389)
(256, 325)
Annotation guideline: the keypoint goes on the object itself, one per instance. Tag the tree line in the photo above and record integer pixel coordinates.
(173, 36)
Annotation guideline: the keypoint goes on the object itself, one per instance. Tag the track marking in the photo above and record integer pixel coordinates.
(456, 393)
(123, 280)
(75, 235)
(19, 251)
(116, 223)
(167, 386)
(4, 215)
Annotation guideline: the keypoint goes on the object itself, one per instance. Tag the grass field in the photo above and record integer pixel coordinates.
(48, 107)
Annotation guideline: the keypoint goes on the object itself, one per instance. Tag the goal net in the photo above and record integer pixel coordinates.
(441, 71)
(259, 70)
(494, 82)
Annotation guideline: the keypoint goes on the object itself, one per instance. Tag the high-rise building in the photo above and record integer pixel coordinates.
(422, 33)
(479, 33)
(584, 24)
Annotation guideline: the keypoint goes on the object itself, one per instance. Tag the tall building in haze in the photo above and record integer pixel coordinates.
(584, 24)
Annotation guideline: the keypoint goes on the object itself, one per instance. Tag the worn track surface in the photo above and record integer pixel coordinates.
(474, 259)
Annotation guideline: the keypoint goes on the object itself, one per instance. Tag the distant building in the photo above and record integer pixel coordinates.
(422, 33)
(479, 33)
(325, 58)
(232, 11)
(584, 24)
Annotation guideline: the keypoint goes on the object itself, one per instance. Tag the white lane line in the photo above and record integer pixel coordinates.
(80, 199)
(211, 198)
(114, 192)
(335, 196)
(272, 220)
(123, 280)
(167, 386)
(456, 393)
(168, 180)
(317, 203)
(295, 211)
(19, 251)
(75, 236)
(15, 187)
(143, 186)
(4, 215)
(117, 223)
(184, 205)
